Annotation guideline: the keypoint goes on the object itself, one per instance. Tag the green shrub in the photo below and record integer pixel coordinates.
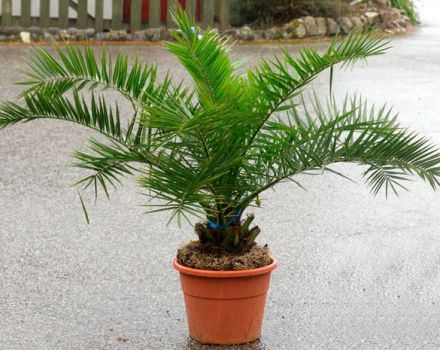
(267, 13)
(409, 7)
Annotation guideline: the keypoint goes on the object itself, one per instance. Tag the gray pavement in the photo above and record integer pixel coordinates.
(355, 272)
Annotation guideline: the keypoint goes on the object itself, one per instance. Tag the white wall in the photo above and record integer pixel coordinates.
(35, 8)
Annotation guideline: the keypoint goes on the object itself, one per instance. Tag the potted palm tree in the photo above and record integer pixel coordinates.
(211, 148)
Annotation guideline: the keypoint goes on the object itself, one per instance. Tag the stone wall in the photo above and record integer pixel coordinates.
(379, 15)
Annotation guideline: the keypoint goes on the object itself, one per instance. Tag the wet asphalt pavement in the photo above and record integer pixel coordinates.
(355, 272)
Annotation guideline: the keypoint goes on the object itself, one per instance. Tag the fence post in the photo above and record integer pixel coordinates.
(6, 17)
(135, 15)
(82, 14)
(170, 23)
(208, 9)
(154, 14)
(25, 20)
(191, 7)
(117, 14)
(44, 13)
(63, 13)
(224, 14)
(99, 15)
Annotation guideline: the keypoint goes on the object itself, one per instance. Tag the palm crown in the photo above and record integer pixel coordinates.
(211, 149)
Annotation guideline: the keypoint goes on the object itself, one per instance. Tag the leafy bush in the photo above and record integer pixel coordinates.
(212, 148)
(409, 7)
(266, 13)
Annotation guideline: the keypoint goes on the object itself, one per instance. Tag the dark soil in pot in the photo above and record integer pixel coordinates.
(207, 256)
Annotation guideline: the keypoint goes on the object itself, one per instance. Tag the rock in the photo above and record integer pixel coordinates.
(122, 34)
(272, 34)
(10, 30)
(34, 30)
(36, 37)
(167, 34)
(52, 30)
(346, 24)
(311, 26)
(73, 32)
(362, 6)
(391, 25)
(113, 35)
(57, 37)
(48, 37)
(154, 34)
(231, 32)
(89, 32)
(25, 37)
(102, 36)
(287, 35)
(387, 17)
(404, 22)
(396, 30)
(405, 18)
(139, 35)
(357, 22)
(322, 26)
(295, 29)
(332, 26)
(372, 17)
(396, 26)
(364, 20)
(383, 3)
(64, 35)
(83, 34)
(384, 15)
(118, 34)
(258, 34)
(402, 12)
(245, 33)
(80, 35)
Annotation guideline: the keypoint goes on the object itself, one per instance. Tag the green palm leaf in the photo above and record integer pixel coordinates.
(211, 148)
(282, 78)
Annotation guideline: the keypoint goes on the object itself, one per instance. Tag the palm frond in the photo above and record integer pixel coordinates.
(206, 58)
(76, 67)
(108, 163)
(354, 133)
(94, 113)
(283, 78)
(211, 148)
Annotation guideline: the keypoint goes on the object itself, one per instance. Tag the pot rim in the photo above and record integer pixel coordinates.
(219, 274)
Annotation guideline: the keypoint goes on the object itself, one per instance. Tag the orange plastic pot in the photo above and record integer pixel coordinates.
(225, 307)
